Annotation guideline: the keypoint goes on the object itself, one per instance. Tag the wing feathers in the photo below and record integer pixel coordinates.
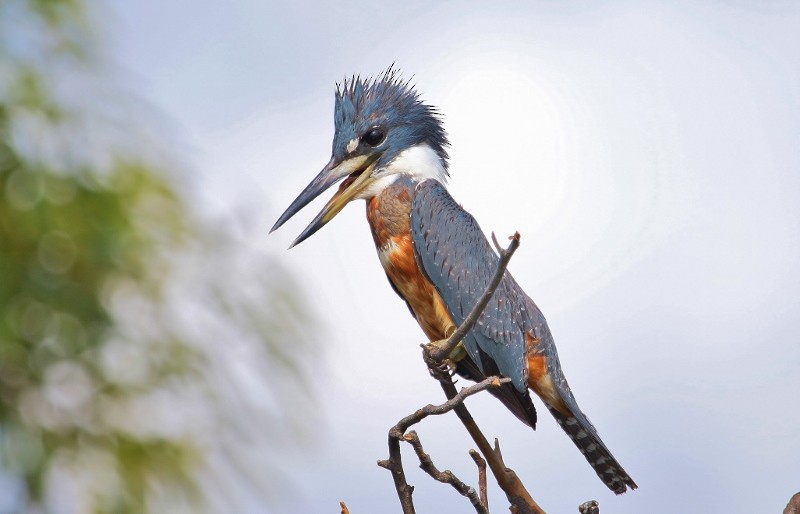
(458, 259)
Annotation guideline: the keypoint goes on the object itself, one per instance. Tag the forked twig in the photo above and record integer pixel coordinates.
(446, 476)
(395, 461)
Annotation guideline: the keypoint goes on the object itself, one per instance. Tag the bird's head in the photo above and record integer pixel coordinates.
(382, 130)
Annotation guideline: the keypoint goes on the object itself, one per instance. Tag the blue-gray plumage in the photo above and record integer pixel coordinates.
(390, 149)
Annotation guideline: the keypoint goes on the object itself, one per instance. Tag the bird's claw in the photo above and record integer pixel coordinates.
(443, 370)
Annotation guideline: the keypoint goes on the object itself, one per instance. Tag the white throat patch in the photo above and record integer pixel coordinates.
(419, 162)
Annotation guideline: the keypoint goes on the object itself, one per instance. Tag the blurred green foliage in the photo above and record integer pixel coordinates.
(126, 319)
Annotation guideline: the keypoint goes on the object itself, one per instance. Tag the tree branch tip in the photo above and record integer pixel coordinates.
(345, 510)
(476, 456)
(481, 463)
(385, 464)
(497, 449)
(496, 243)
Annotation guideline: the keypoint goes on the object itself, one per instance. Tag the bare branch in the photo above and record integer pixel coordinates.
(395, 464)
(439, 354)
(395, 461)
(481, 476)
(446, 476)
(452, 403)
(518, 496)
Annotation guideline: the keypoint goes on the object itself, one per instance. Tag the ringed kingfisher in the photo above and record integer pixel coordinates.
(390, 149)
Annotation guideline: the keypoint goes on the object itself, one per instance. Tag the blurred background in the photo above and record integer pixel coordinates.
(144, 364)
(159, 352)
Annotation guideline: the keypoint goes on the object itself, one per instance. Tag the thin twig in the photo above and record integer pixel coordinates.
(452, 403)
(395, 461)
(481, 476)
(439, 354)
(446, 476)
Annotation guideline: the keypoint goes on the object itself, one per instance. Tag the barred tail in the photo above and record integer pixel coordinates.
(585, 437)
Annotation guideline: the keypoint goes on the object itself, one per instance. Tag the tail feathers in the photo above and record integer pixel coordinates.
(585, 437)
(518, 403)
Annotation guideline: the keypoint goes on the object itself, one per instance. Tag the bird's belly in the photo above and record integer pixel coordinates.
(397, 258)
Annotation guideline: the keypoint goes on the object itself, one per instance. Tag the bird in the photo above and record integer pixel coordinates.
(390, 149)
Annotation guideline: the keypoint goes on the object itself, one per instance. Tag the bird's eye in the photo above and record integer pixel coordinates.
(374, 137)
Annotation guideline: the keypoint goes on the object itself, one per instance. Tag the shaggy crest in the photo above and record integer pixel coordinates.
(389, 102)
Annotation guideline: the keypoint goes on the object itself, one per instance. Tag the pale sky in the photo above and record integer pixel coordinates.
(646, 151)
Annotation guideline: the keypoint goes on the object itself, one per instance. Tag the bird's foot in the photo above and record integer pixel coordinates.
(442, 370)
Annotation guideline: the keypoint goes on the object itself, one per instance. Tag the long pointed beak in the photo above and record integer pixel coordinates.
(358, 171)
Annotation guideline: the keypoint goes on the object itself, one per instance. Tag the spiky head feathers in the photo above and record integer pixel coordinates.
(385, 110)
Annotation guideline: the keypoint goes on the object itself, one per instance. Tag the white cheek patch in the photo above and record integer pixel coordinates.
(352, 145)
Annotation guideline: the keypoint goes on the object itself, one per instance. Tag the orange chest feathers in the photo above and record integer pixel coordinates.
(389, 219)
